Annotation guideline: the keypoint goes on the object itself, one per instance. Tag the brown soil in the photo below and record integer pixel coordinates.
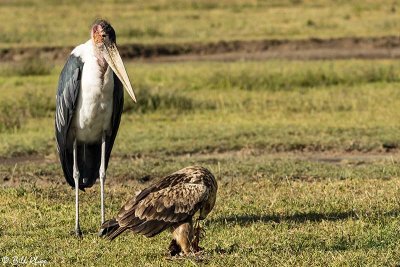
(11, 176)
(334, 157)
(21, 159)
(308, 49)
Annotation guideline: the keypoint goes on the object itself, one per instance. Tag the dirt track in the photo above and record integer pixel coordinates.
(326, 157)
(310, 49)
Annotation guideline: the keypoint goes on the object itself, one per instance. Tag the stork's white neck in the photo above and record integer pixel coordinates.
(95, 100)
(89, 53)
(100, 58)
(84, 51)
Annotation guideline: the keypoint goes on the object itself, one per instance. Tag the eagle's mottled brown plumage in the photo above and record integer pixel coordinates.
(171, 202)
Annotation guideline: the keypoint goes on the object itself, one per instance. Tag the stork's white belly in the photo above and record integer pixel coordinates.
(95, 104)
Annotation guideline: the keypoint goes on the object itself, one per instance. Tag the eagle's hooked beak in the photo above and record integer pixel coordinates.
(114, 60)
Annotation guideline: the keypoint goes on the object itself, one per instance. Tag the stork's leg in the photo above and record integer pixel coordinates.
(78, 231)
(102, 174)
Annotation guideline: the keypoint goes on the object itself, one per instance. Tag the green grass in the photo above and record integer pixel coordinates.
(304, 152)
(275, 106)
(269, 211)
(55, 23)
(299, 150)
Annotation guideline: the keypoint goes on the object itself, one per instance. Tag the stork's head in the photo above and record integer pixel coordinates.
(104, 40)
(103, 33)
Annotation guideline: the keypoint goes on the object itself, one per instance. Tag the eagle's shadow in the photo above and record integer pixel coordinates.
(248, 219)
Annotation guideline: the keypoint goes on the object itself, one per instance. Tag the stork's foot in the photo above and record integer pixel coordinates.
(77, 233)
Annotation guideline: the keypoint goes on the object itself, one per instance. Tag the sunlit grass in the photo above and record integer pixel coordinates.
(55, 23)
(303, 151)
(187, 107)
(269, 211)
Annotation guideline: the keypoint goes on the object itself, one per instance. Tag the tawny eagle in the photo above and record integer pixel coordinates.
(172, 203)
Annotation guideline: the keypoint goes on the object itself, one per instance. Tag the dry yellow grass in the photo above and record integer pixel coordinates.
(43, 23)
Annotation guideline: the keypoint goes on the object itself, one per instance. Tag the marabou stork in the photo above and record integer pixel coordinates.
(88, 110)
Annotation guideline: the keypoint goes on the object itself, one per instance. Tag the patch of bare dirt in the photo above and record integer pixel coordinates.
(32, 169)
(21, 159)
(307, 49)
(334, 157)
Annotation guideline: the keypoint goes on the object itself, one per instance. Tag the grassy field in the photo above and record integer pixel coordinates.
(299, 149)
(269, 211)
(61, 23)
(274, 106)
(305, 152)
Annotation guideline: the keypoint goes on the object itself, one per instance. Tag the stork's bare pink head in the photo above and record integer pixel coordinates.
(103, 33)
(104, 39)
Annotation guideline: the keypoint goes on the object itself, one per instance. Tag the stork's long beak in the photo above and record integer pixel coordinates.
(114, 60)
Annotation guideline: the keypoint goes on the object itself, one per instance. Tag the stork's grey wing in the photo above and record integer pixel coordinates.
(66, 100)
(162, 209)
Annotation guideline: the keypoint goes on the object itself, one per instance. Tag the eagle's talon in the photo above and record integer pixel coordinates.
(198, 250)
(199, 232)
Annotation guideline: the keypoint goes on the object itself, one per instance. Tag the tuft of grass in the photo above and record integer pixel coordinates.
(10, 116)
(28, 67)
(248, 79)
(148, 32)
(14, 113)
(148, 101)
(34, 67)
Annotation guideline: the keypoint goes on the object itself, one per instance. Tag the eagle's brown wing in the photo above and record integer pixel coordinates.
(179, 177)
(172, 200)
(161, 209)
